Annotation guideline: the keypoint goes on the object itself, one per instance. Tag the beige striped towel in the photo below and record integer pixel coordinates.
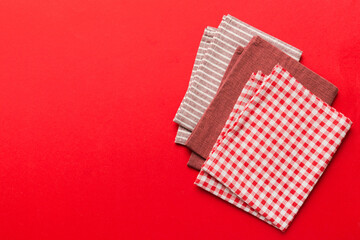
(182, 133)
(231, 33)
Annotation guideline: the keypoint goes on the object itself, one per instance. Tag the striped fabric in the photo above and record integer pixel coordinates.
(182, 133)
(231, 34)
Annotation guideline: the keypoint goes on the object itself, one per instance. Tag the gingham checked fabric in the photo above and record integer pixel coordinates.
(273, 152)
(209, 32)
(231, 34)
(247, 92)
(209, 183)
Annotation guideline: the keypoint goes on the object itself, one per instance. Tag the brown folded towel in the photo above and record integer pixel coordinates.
(257, 55)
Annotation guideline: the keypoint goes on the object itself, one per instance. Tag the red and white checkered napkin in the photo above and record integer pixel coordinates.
(276, 144)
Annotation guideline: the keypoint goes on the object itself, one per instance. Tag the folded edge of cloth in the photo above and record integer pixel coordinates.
(196, 161)
(271, 154)
(258, 55)
(231, 34)
(183, 134)
(186, 133)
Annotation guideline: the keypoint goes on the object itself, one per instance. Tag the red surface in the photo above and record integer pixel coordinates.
(88, 91)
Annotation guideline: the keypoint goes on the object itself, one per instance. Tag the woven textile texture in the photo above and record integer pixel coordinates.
(209, 32)
(275, 145)
(186, 133)
(231, 33)
(258, 55)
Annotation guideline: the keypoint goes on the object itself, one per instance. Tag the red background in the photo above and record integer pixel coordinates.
(88, 91)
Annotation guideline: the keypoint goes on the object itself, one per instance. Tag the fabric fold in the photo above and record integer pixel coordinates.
(274, 147)
(183, 134)
(231, 33)
(257, 55)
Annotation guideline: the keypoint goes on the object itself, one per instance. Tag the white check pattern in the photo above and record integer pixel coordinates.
(249, 90)
(274, 151)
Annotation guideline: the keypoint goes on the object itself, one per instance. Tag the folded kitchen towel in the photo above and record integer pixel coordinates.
(258, 55)
(231, 33)
(273, 148)
(196, 160)
(209, 183)
(183, 134)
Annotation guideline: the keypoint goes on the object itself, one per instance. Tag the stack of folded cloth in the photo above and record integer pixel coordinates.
(258, 122)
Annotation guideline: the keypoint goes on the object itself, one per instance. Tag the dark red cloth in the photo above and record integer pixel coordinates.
(257, 55)
(195, 160)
